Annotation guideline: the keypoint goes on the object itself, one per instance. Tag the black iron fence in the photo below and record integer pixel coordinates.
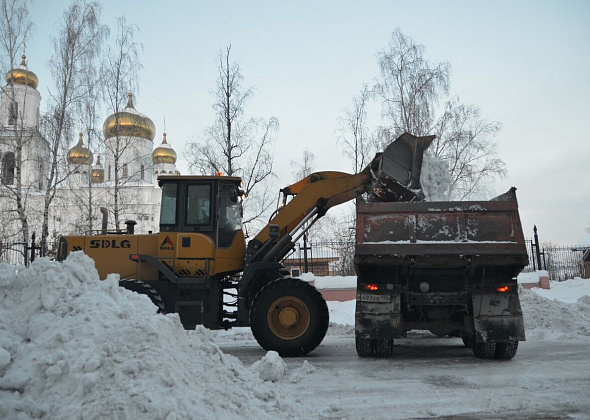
(23, 253)
(337, 259)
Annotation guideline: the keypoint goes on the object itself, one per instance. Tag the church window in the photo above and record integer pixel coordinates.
(109, 173)
(8, 166)
(142, 172)
(125, 171)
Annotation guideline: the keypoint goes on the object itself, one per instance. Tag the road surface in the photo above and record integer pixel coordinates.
(430, 377)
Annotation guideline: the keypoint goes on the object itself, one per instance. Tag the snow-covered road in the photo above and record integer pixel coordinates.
(436, 378)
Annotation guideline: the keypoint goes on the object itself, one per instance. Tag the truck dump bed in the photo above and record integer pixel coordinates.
(442, 234)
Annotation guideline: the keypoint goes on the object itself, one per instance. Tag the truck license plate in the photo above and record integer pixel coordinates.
(364, 297)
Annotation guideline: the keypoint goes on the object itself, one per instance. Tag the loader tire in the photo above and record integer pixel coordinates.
(374, 347)
(289, 316)
(144, 288)
(506, 350)
(484, 350)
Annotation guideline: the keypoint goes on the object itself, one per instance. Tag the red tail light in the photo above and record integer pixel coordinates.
(372, 287)
(503, 289)
(134, 257)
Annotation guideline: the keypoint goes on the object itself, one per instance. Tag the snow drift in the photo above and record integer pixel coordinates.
(74, 347)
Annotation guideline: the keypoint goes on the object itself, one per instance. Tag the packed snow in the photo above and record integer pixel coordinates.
(74, 347)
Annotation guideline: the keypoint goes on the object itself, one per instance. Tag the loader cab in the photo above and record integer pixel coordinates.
(201, 225)
(208, 205)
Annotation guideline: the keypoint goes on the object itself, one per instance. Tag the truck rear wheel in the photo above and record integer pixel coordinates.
(506, 350)
(484, 350)
(144, 288)
(289, 316)
(374, 347)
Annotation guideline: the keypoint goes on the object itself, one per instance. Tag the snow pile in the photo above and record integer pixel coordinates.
(271, 367)
(566, 291)
(435, 178)
(547, 319)
(342, 313)
(74, 347)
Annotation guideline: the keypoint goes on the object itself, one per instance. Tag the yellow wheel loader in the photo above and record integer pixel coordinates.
(199, 266)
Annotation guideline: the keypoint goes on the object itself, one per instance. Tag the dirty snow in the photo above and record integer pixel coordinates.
(74, 347)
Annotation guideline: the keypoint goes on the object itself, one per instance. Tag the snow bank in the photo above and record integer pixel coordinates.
(569, 291)
(330, 282)
(74, 347)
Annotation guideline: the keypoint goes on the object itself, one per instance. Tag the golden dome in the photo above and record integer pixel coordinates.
(22, 75)
(164, 153)
(130, 123)
(80, 155)
(97, 174)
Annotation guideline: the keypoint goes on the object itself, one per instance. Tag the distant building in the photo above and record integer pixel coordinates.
(128, 145)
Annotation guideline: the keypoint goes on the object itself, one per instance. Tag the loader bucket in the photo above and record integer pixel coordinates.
(397, 177)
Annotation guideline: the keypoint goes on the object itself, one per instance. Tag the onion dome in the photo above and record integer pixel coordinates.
(22, 75)
(129, 122)
(80, 155)
(97, 174)
(164, 153)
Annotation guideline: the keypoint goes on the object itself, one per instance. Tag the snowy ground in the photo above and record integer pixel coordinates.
(72, 347)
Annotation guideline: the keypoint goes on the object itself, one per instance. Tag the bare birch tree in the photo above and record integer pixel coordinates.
(235, 145)
(85, 198)
(76, 49)
(356, 139)
(119, 75)
(15, 27)
(410, 88)
(465, 141)
(303, 167)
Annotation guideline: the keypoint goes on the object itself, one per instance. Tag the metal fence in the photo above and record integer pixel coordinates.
(323, 258)
(22, 253)
(337, 259)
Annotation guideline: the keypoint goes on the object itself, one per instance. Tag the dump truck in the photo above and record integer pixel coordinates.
(199, 266)
(448, 267)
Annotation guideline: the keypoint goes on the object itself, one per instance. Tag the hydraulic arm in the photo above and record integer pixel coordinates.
(393, 175)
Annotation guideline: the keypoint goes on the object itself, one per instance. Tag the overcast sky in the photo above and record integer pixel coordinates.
(526, 64)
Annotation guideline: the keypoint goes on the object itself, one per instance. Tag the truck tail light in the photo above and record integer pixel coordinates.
(371, 287)
(503, 289)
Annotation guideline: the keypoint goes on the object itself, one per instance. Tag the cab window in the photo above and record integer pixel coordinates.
(198, 205)
(168, 207)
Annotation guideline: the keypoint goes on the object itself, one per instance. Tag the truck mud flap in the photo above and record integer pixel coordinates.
(497, 317)
(378, 319)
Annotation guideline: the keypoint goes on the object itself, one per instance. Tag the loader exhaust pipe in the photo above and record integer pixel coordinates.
(105, 220)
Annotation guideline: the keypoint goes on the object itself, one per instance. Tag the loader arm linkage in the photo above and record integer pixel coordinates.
(391, 176)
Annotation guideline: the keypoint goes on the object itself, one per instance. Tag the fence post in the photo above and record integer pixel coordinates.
(32, 248)
(305, 248)
(537, 248)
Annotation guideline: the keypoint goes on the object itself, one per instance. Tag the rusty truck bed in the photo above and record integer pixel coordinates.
(441, 233)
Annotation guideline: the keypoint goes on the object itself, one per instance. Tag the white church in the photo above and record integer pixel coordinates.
(90, 185)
